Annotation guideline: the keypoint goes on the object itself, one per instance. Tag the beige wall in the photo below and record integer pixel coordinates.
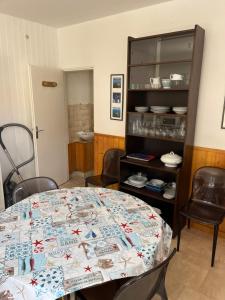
(21, 43)
(79, 87)
(102, 44)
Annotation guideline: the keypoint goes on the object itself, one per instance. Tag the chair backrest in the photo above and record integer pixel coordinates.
(146, 285)
(111, 162)
(208, 185)
(31, 186)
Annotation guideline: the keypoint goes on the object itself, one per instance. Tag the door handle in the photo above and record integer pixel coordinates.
(37, 132)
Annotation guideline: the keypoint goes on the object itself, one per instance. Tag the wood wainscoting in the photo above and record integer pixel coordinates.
(103, 142)
(201, 157)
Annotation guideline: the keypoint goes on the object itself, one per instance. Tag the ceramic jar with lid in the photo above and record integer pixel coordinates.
(171, 159)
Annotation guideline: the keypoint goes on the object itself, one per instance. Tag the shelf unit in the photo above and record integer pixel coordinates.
(157, 134)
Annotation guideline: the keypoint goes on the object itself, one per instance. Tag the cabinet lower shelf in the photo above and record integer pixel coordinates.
(144, 192)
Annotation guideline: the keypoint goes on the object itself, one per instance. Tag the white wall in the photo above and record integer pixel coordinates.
(79, 87)
(21, 43)
(102, 44)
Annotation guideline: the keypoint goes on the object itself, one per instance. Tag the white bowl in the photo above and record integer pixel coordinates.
(141, 108)
(86, 135)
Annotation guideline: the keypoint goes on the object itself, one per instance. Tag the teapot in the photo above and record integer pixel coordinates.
(155, 82)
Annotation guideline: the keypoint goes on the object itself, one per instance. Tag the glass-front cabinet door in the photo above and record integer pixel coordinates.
(163, 62)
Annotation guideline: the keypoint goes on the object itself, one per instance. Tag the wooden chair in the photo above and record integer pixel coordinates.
(208, 195)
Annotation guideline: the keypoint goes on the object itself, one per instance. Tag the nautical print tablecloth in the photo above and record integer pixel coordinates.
(57, 242)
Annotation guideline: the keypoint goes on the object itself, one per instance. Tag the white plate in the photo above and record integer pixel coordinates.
(156, 182)
(159, 107)
(135, 185)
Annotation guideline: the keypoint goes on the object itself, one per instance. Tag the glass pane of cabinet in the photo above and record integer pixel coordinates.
(177, 75)
(153, 125)
(176, 48)
(143, 51)
(153, 50)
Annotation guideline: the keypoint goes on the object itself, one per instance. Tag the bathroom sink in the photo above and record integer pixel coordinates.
(85, 135)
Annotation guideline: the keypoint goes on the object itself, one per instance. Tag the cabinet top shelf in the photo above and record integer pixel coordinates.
(171, 114)
(160, 63)
(160, 90)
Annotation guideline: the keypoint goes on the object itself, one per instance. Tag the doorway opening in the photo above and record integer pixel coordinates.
(80, 106)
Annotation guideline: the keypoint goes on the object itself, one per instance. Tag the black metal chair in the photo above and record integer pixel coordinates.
(142, 287)
(207, 198)
(110, 170)
(31, 186)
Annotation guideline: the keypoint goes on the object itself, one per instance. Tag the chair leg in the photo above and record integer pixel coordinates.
(178, 234)
(189, 223)
(162, 290)
(215, 235)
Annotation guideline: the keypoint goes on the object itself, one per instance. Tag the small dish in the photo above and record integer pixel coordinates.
(141, 108)
(180, 110)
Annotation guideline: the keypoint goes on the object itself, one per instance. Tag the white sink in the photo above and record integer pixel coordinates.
(85, 135)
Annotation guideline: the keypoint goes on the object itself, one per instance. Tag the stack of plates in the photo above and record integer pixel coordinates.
(180, 110)
(160, 109)
(141, 108)
(155, 185)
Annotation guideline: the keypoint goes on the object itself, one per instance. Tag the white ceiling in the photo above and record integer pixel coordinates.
(60, 13)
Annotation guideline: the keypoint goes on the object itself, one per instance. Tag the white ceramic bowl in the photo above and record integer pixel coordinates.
(141, 108)
(86, 135)
(137, 179)
(179, 110)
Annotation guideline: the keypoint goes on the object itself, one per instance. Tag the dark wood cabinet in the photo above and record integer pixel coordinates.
(159, 56)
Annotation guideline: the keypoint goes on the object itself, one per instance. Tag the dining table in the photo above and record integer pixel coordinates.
(57, 242)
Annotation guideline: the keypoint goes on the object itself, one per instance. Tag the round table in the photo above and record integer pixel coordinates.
(60, 241)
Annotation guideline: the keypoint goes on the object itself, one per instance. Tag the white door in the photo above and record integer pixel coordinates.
(49, 122)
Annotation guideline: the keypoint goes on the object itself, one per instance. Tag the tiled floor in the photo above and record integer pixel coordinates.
(189, 274)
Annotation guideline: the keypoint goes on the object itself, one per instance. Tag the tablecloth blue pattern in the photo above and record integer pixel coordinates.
(61, 241)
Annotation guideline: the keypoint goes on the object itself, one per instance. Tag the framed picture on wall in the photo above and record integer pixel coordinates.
(223, 116)
(116, 96)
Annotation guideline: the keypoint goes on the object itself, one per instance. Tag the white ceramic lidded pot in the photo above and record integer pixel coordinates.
(171, 159)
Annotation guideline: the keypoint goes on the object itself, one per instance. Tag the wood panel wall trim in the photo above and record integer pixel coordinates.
(204, 149)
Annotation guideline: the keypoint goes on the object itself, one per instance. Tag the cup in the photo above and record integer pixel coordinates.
(176, 77)
(155, 82)
(166, 83)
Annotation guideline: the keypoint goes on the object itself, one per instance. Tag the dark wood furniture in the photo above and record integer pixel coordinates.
(150, 133)
(207, 202)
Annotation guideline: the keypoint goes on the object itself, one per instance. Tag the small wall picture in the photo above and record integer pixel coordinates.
(116, 97)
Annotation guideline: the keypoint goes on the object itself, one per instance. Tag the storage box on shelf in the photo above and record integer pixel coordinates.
(162, 94)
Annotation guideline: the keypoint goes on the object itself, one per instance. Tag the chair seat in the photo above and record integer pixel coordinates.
(101, 180)
(203, 213)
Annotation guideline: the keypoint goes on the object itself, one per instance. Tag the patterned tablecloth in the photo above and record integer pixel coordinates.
(57, 242)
